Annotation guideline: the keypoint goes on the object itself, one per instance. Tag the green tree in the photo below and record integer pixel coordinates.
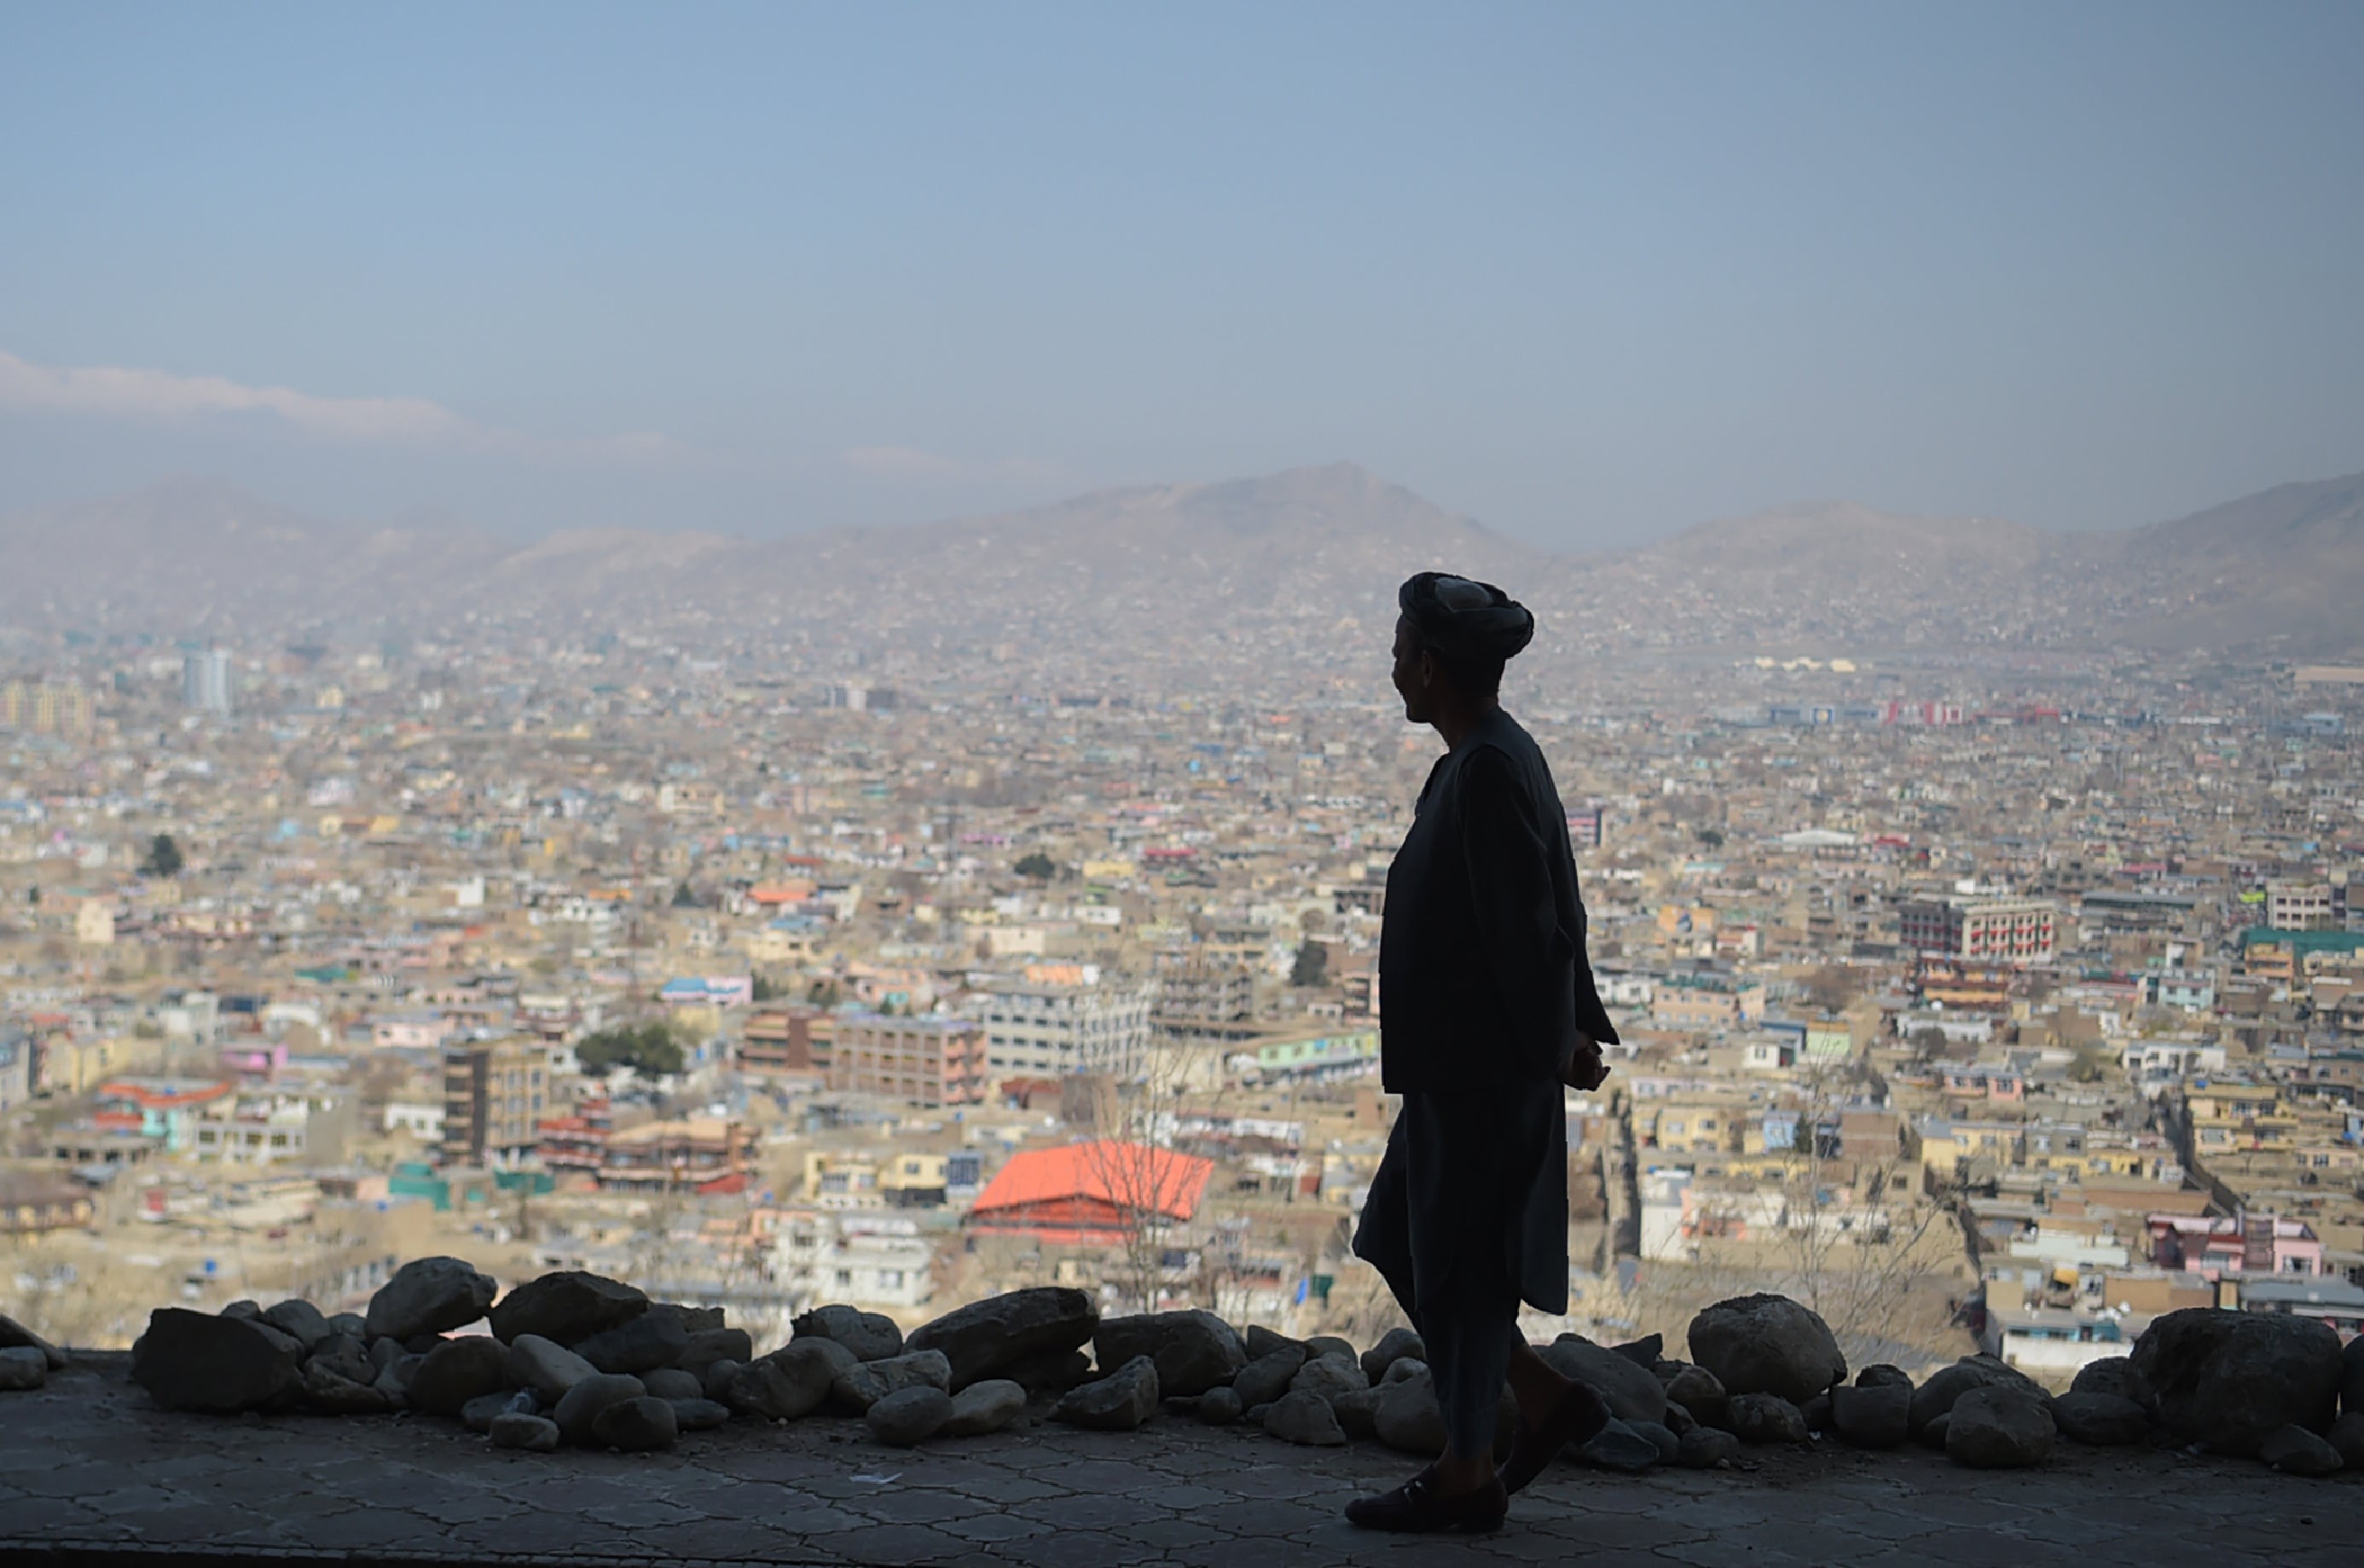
(766, 989)
(163, 857)
(649, 1050)
(1312, 967)
(683, 898)
(1038, 865)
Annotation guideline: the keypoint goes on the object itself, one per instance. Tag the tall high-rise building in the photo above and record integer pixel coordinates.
(493, 1094)
(205, 680)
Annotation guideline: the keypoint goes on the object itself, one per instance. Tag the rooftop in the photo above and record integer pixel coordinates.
(91, 1472)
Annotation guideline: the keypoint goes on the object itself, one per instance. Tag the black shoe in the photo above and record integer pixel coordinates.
(1418, 1506)
(1577, 1418)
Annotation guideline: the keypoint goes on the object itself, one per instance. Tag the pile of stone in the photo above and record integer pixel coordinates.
(574, 1359)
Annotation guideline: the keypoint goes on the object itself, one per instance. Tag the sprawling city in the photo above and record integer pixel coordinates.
(1083, 786)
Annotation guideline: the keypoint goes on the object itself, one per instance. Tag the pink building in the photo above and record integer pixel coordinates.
(2214, 1246)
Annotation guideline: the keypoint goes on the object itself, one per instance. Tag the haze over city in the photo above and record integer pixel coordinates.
(740, 746)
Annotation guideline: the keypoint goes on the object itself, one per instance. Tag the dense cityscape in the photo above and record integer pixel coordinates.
(1978, 1002)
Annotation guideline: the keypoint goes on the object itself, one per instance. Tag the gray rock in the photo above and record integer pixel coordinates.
(1619, 1446)
(693, 1319)
(2351, 1380)
(15, 1336)
(698, 1415)
(1766, 1418)
(1679, 1421)
(791, 1382)
(456, 1371)
(566, 1307)
(1326, 1377)
(1695, 1389)
(301, 1321)
(1996, 1428)
(707, 1346)
(1946, 1385)
(985, 1337)
(584, 1401)
(1407, 1418)
(649, 1342)
(2227, 1379)
(1934, 1434)
(860, 1386)
(909, 1416)
(640, 1425)
(1704, 1448)
(1880, 1375)
(1266, 1378)
(988, 1407)
(1669, 1445)
(871, 1335)
(1876, 1414)
(547, 1367)
(250, 1310)
(1117, 1403)
(1358, 1414)
(534, 1434)
(2294, 1450)
(2112, 1374)
(2347, 1435)
(385, 1351)
(325, 1392)
(1321, 1345)
(1406, 1366)
(351, 1323)
(406, 1367)
(418, 1344)
(1630, 1390)
(1817, 1410)
(194, 1361)
(1765, 1344)
(389, 1387)
(477, 1414)
(1393, 1346)
(716, 1379)
(1645, 1352)
(23, 1367)
(672, 1383)
(1052, 1371)
(1222, 1407)
(1302, 1417)
(427, 1295)
(2104, 1420)
(1254, 1415)
(1193, 1350)
(345, 1356)
(1259, 1340)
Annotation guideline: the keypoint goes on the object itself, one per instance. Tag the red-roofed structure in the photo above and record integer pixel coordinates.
(1093, 1194)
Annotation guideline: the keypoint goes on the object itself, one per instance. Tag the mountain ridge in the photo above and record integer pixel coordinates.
(2279, 567)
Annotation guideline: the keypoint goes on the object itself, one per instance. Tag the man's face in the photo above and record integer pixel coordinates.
(1412, 673)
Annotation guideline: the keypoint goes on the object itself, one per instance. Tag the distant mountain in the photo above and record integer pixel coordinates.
(1218, 571)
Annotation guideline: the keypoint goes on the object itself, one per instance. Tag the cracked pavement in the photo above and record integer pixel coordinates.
(88, 1467)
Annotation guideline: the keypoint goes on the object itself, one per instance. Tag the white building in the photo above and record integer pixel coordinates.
(864, 1257)
(1053, 1030)
(205, 680)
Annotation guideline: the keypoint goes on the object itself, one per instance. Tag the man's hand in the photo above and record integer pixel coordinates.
(1580, 1066)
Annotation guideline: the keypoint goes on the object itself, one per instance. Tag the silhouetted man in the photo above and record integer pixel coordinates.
(1487, 1009)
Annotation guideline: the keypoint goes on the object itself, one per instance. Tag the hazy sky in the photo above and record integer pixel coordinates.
(1587, 273)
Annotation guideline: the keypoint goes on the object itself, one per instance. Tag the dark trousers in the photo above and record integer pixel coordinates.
(1467, 1316)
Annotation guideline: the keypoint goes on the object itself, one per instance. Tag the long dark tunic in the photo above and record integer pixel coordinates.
(1483, 981)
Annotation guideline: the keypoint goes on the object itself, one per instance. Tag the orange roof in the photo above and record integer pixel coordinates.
(1126, 1175)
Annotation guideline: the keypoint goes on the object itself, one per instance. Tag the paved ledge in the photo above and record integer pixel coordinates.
(90, 1473)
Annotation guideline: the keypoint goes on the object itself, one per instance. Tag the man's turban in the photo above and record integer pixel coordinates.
(1464, 619)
